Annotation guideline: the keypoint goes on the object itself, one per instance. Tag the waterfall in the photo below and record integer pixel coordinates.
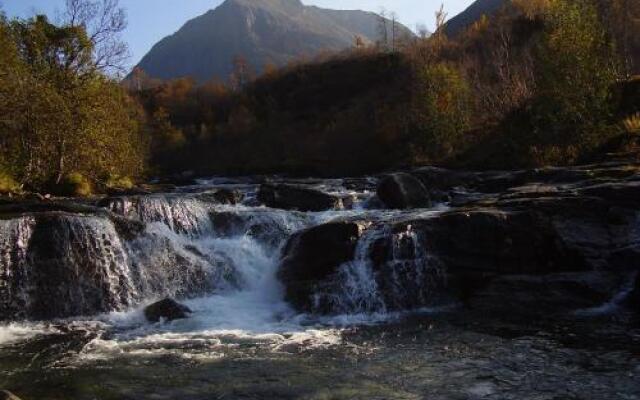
(185, 215)
(64, 265)
(390, 271)
(15, 235)
(357, 288)
(60, 264)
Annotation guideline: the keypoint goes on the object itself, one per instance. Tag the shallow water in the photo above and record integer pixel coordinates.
(419, 356)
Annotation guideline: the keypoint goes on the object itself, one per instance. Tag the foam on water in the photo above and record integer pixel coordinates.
(14, 333)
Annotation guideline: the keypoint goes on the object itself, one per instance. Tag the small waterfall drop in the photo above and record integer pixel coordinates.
(15, 235)
(186, 215)
(63, 265)
(357, 290)
(391, 271)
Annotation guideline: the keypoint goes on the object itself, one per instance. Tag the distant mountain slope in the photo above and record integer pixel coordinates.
(261, 31)
(473, 13)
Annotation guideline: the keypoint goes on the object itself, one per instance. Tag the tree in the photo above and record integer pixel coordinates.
(623, 23)
(383, 31)
(394, 30)
(242, 73)
(576, 70)
(104, 21)
(66, 117)
(440, 111)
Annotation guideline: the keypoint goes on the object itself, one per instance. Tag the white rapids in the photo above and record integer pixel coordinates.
(224, 261)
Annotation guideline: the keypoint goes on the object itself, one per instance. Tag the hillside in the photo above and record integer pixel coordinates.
(473, 13)
(261, 31)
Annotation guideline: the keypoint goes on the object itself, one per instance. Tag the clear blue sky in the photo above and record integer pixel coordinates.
(151, 20)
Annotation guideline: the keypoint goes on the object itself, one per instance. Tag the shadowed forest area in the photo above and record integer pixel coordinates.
(542, 82)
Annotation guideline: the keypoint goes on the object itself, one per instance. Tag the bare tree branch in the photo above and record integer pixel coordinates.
(104, 21)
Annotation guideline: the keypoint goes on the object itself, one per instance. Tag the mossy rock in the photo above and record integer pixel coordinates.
(8, 184)
(74, 185)
(120, 182)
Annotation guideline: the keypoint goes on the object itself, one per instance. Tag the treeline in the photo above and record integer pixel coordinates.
(66, 126)
(541, 82)
(536, 84)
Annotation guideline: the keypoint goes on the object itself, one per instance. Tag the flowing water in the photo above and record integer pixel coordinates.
(391, 338)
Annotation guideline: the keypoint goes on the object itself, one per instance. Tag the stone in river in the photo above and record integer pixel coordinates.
(167, 309)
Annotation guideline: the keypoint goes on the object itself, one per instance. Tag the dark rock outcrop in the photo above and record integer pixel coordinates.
(540, 248)
(167, 310)
(402, 191)
(301, 198)
(312, 256)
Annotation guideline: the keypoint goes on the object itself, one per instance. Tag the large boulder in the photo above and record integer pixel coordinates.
(166, 310)
(301, 198)
(403, 191)
(313, 256)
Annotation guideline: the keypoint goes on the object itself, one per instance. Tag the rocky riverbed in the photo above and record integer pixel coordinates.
(422, 284)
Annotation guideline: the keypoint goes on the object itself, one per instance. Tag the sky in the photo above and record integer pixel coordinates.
(151, 20)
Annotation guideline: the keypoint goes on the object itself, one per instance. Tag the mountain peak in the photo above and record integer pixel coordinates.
(270, 4)
(263, 31)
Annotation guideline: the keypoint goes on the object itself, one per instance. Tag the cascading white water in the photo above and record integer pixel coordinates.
(357, 290)
(15, 235)
(63, 264)
(412, 274)
(406, 279)
(181, 214)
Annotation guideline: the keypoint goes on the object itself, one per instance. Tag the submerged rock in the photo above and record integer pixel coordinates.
(402, 191)
(167, 309)
(301, 198)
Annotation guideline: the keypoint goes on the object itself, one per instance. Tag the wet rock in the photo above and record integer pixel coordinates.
(13, 208)
(134, 191)
(544, 254)
(301, 198)
(261, 227)
(314, 255)
(625, 193)
(402, 191)
(7, 395)
(63, 265)
(222, 196)
(435, 178)
(549, 294)
(128, 229)
(167, 309)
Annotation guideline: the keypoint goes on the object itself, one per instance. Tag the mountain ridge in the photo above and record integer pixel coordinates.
(262, 31)
(472, 14)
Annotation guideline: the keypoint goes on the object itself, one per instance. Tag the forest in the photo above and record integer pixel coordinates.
(542, 82)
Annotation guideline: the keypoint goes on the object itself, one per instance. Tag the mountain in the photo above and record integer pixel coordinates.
(262, 31)
(473, 13)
